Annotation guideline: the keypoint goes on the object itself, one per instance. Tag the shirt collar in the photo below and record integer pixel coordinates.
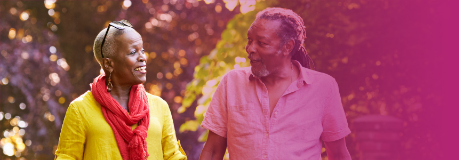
(303, 78)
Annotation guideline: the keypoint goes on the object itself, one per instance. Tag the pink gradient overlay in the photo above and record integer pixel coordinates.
(429, 32)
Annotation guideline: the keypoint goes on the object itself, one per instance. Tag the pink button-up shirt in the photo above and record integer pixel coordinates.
(309, 112)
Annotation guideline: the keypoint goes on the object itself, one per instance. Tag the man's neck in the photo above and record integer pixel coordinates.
(286, 72)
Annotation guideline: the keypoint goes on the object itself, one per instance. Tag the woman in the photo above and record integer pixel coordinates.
(118, 119)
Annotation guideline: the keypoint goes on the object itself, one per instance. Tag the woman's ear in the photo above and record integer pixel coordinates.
(107, 64)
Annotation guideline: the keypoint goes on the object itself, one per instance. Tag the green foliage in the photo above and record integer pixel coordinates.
(213, 66)
(189, 125)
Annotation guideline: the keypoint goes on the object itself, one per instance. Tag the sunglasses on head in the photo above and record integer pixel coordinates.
(121, 25)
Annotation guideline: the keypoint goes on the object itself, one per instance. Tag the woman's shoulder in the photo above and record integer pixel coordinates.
(155, 99)
(158, 104)
(84, 99)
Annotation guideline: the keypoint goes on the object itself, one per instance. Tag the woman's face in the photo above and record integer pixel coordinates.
(129, 62)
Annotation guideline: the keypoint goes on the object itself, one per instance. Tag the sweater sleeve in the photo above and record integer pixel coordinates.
(171, 148)
(73, 136)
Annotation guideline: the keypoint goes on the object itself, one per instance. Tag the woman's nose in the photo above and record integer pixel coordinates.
(142, 57)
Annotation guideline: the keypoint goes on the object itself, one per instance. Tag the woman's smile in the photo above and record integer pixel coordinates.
(141, 69)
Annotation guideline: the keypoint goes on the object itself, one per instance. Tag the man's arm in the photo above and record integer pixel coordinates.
(215, 147)
(337, 150)
(335, 126)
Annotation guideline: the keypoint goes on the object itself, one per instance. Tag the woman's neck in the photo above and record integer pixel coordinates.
(121, 94)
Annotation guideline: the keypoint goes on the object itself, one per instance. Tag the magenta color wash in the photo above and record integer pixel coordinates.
(425, 35)
(445, 75)
(429, 36)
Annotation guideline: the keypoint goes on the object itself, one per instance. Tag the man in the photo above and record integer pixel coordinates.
(277, 108)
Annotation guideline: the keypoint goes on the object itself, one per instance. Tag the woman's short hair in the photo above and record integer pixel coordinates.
(109, 48)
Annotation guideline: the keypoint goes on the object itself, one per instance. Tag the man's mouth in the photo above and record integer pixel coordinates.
(142, 69)
(255, 61)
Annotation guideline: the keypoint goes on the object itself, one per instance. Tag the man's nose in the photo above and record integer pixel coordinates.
(250, 48)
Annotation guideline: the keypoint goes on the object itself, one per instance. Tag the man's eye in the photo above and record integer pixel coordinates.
(133, 52)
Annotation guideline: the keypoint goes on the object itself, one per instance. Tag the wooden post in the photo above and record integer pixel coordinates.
(377, 136)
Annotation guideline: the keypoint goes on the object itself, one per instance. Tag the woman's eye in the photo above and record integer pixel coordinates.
(132, 52)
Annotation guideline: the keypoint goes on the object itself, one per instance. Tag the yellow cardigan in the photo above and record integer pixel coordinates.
(86, 135)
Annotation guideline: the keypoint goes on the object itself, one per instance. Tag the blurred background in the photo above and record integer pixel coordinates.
(389, 58)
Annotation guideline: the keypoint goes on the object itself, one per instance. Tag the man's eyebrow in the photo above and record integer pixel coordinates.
(258, 36)
(262, 37)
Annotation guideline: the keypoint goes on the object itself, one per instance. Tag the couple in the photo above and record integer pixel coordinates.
(275, 109)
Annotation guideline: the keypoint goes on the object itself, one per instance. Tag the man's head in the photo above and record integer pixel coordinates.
(275, 37)
(121, 54)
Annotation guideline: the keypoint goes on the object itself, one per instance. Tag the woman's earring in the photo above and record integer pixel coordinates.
(109, 84)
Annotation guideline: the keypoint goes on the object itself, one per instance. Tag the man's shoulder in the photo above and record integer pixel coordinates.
(239, 73)
(317, 76)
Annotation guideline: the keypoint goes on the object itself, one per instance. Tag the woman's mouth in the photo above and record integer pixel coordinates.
(141, 69)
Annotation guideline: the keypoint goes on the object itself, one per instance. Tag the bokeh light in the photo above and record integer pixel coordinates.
(24, 16)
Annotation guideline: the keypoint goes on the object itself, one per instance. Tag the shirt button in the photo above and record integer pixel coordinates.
(275, 112)
(264, 156)
(266, 134)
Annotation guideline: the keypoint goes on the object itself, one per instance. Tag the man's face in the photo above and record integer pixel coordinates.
(129, 59)
(263, 47)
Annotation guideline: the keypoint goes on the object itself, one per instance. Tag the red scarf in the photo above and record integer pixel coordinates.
(131, 143)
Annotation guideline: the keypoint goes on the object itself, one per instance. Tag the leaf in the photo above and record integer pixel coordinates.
(190, 125)
(219, 61)
(203, 136)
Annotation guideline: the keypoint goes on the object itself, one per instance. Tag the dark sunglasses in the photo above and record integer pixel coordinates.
(118, 25)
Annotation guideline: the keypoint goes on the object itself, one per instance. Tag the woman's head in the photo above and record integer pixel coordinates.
(121, 54)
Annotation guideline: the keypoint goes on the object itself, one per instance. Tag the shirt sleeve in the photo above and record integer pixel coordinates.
(73, 136)
(334, 120)
(171, 147)
(216, 117)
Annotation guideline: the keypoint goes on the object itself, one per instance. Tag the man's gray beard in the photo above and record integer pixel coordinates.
(264, 72)
(261, 73)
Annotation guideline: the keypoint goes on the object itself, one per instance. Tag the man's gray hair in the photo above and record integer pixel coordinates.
(109, 48)
(292, 27)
